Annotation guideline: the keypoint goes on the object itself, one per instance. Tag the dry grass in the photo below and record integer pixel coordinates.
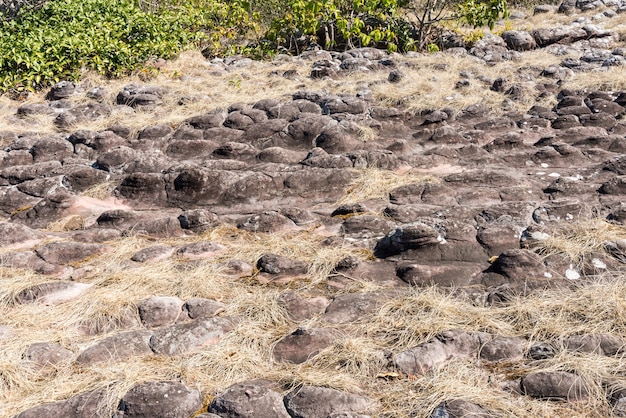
(374, 183)
(582, 238)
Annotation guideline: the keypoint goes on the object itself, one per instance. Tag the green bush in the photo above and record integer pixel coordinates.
(112, 37)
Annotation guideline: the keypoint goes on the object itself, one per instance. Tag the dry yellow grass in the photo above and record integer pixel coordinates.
(374, 183)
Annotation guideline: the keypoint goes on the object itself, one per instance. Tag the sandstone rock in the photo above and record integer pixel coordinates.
(47, 354)
(300, 308)
(519, 40)
(158, 311)
(117, 347)
(16, 235)
(555, 385)
(352, 306)
(142, 97)
(61, 90)
(148, 400)
(52, 293)
(84, 405)
(198, 220)
(253, 398)
(203, 308)
(502, 348)
(29, 260)
(303, 344)
(450, 344)
(69, 252)
(604, 344)
(189, 337)
(152, 254)
(458, 408)
(280, 265)
(200, 250)
(315, 402)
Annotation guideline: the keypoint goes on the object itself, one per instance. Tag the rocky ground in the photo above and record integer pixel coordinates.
(330, 235)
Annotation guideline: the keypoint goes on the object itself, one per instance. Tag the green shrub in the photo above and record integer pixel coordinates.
(112, 37)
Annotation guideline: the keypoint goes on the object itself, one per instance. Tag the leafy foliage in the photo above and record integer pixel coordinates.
(335, 23)
(111, 37)
(59, 39)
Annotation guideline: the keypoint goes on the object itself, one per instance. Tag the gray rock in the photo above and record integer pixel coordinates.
(519, 40)
(253, 398)
(203, 308)
(352, 306)
(151, 254)
(604, 344)
(69, 252)
(316, 402)
(118, 347)
(303, 344)
(458, 408)
(160, 399)
(160, 310)
(52, 293)
(47, 354)
(448, 345)
(85, 405)
(555, 385)
(189, 337)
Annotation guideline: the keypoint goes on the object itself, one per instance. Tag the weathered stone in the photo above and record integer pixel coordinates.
(253, 398)
(555, 385)
(303, 344)
(316, 402)
(300, 308)
(118, 347)
(47, 354)
(458, 408)
(85, 405)
(203, 308)
(604, 344)
(52, 293)
(189, 337)
(280, 265)
(448, 345)
(148, 400)
(69, 252)
(152, 254)
(352, 306)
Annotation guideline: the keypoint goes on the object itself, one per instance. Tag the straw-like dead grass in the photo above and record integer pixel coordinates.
(578, 239)
(374, 183)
